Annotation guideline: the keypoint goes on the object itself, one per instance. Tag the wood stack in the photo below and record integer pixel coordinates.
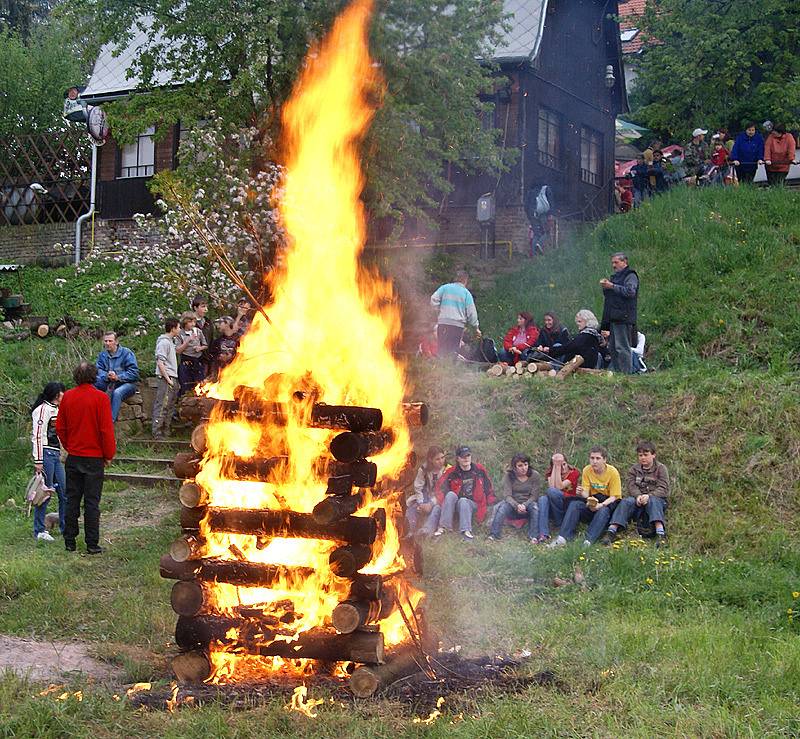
(543, 369)
(267, 630)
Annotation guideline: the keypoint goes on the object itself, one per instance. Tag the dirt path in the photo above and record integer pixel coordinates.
(52, 660)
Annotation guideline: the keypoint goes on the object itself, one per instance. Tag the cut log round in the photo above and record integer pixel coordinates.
(192, 495)
(198, 439)
(509, 370)
(352, 447)
(570, 367)
(190, 518)
(496, 370)
(191, 667)
(190, 598)
(366, 681)
(346, 561)
(350, 615)
(336, 507)
(185, 548)
(416, 414)
(520, 367)
(186, 465)
(234, 572)
(42, 330)
(352, 530)
(532, 368)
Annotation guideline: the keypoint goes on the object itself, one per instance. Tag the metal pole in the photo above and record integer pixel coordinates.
(90, 212)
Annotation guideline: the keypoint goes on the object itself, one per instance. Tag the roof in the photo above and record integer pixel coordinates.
(526, 25)
(110, 78)
(630, 12)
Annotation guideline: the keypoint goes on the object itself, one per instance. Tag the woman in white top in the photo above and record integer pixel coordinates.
(47, 455)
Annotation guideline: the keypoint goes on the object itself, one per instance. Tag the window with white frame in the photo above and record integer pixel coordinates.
(549, 143)
(591, 155)
(139, 158)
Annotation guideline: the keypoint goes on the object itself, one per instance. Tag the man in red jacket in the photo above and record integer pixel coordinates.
(86, 431)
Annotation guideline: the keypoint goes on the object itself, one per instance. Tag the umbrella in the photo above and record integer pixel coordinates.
(626, 131)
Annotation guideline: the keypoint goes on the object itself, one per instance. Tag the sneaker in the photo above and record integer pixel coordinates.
(69, 546)
(543, 538)
(492, 538)
(609, 538)
(438, 532)
(559, 541)
(661, 540)
(94, 550)
(44, 536)
(586, 543)
(467, 534)
(534, 540)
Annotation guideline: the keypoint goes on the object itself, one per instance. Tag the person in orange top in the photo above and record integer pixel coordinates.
(780, 150)
(86, 431)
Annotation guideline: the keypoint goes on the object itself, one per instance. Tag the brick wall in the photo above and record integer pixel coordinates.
(34, 244)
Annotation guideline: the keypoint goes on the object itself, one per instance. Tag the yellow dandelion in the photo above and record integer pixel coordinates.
(796, 594)
(669, 595)
(649, 580)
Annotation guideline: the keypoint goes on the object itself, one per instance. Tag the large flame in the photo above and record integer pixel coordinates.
(328, 338)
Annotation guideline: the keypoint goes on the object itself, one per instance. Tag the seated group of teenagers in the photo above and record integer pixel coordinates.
(447, 499)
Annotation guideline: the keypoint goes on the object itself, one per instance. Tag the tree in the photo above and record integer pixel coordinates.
(718, 63)
(242, 59)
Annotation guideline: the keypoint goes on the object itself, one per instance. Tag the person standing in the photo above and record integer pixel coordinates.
(200, 310)
(456, 308)
(522, 486)
(747, 153)
(191, 347)
(695, 154)
(167, 373)
(86, 429)
(117, 372)
(780, 150)
(621, 295)
(47, 455)
(465, 488)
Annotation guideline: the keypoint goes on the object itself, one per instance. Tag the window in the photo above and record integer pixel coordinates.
(138, 159)
(549, 138)
(591, 155)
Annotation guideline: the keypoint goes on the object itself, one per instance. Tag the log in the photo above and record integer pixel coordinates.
(198, 440)
(339, 485)
(336, 508)
(190, 597)
(186, 465)
(366, 587)
(360, 646)
(197, 632)
(520, 367)
(367, 680)
(350, 614)
(291, 524)
(570, 367)
(195, 408)
(416, 414)
(190, 518)
(509, 370)
(587, 371)
(496, 370)
(238, 572)
(352, 447)
(346, 561)
(191, 667)
(192, 495)
(540, 366)
(532, 368)
(185, 548)
(362, 474)
(263, 470)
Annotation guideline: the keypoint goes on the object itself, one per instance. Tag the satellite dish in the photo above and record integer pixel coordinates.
(97, 125)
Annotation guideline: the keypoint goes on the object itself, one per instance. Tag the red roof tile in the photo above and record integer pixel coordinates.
(629, 12)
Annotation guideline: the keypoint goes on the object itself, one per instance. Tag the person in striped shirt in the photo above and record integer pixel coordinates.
(456, 308)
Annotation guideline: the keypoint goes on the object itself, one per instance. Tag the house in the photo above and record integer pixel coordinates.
(632, 37)
(561, 87)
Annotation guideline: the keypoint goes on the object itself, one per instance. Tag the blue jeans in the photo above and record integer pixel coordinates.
(117, 392)
(466, 508)
(577, 512)
(54, 477)
(432, 521)
(627, 510)
(505, 510)
(551, 508)
(413, 515)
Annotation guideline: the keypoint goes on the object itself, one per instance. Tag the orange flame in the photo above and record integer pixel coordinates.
(331, 328)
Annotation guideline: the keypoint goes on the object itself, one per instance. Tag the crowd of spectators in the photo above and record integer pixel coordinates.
(721, 161)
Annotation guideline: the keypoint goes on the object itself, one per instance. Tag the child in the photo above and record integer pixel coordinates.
(223, 348)
(191, 345)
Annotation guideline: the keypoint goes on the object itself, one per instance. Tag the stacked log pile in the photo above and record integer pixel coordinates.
(543, 369)
(352, 635)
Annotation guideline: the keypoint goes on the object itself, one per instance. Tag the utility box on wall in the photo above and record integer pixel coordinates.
(485, 212)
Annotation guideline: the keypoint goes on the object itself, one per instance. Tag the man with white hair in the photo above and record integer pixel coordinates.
(621, 295)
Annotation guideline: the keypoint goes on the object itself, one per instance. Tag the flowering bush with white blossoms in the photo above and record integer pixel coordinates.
(224, 188)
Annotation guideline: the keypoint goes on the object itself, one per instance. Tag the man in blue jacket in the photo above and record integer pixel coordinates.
(747, 153)
(117, 372)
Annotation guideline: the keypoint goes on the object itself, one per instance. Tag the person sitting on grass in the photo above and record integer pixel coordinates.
(599, 492)
(423, 500)
(552, 333)
(522, 486)
(648, 489)
(519, 340)
(562, 483)
(464, 487)
(117, 372)
(585, 343)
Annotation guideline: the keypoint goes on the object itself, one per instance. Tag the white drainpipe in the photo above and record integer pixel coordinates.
(90, 212)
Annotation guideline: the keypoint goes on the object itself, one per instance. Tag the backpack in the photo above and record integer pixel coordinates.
(37, 492)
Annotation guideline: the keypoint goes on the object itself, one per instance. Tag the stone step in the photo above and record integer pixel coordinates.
(143, 460)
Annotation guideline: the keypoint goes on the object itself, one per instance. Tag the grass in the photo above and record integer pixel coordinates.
(700, 639)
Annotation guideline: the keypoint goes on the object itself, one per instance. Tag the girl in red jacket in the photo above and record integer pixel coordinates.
(519, 340)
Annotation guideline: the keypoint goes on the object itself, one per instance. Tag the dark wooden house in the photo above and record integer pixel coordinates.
(561, 87)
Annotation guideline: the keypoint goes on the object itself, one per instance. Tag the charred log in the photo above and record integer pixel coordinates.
(346, 561)
(190, 598)
(366, 587)
(361, 474)
(191, 518)
(233, 572)
(350, 615)
(351, 447)
(340, 485)
(185, 548)
(366, 681)
(186, 465)
(336, 507)
(360, 646)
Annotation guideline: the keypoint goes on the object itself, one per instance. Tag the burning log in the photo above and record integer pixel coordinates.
(366, 587)
(336, 507)
(354, 419)
(352, 447)
(190, 598)
(191, 518)
(185, 548)
(199, 440)
(350, 615)
(363, 474)
(360, 646)
(234, 572)
(570, 367)
(352, 530)
(339, 485)
(366, 681)
(197, 632)
(346, 561)
(416, 414)
(192, 495)
(186, 465)
(191, 667)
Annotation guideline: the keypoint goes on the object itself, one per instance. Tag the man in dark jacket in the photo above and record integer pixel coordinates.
(621, 294)
(647, 493)
(747, 153)
(86, 431)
